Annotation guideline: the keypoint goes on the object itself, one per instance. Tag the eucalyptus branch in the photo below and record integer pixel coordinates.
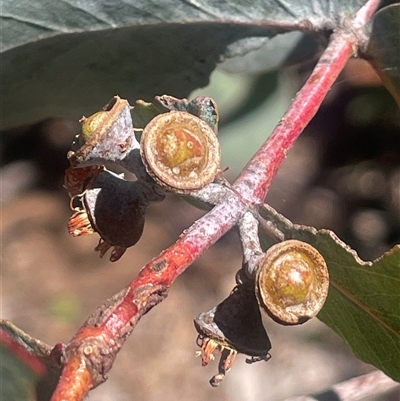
(89, 356)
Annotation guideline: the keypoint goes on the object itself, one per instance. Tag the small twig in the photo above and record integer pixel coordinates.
(252, 252)
(372, 384)
(75, 381)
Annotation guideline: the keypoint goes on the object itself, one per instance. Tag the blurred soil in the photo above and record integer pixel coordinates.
(51, 281)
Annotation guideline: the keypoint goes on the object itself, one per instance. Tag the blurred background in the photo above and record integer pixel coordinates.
(343, 174)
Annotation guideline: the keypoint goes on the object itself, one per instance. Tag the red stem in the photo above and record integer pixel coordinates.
(255, 180)
(75, 381)
(90, 354)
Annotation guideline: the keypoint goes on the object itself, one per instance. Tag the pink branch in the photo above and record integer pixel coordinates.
(255, 180)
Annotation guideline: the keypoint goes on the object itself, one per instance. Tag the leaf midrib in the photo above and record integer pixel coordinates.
(364, 308)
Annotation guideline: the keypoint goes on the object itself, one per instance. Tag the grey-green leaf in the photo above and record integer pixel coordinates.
(65, 58)
(21, 364)
(384, 47)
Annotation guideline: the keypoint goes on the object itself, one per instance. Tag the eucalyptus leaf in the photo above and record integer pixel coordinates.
(384, 47)
(21, 364)
(363, 304)
(31, 344)
(285, 49)
(18, 381)
(27, 371)
(62, 59)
